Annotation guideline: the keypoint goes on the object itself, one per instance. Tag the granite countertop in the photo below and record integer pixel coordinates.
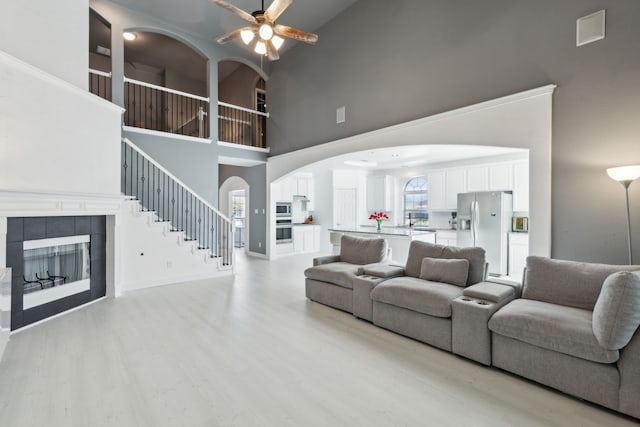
(388, 231)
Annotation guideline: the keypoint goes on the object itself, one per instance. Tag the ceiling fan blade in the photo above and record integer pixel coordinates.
(272, 52)
(233, 9)
(230, 36)
(294, 33)
(276, 8)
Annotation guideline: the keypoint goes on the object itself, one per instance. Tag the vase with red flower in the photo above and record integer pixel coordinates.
(378, 217)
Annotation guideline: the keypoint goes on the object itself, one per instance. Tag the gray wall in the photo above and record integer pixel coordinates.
(256, 177)
(194, 163)
(238, 88)
(426, 57)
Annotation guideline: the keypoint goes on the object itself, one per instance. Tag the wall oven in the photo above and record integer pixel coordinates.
(283, 230)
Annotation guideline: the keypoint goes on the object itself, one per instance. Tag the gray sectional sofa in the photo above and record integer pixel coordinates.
(330, 280)
(575, 329)
(572, 326)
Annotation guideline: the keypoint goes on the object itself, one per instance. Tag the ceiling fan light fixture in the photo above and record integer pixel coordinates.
(261, 48)
(247, 36)
(265, 31)
(277, 42)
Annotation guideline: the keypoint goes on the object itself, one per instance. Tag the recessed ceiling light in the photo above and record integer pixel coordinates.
(129, 36)
(361, 163)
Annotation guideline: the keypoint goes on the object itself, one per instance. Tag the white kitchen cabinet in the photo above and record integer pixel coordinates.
(521, 186)
(379, 193)
(518, 253)
(436, 190)
(306, 238)
(446, 237)
(477, 178)
(501, 177)
(455, 182)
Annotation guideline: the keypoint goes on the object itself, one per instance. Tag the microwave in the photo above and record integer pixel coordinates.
(283, 208)
(520, 223)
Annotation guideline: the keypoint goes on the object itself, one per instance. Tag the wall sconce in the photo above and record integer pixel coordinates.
(625, 175)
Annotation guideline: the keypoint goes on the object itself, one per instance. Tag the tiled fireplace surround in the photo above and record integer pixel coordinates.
(20, 229)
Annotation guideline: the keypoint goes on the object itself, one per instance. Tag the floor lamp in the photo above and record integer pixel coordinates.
(625, 175)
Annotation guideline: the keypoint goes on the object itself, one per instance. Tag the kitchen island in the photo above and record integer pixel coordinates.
(398, 238)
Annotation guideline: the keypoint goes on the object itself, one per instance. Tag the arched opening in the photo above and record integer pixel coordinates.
(234, 202)
(99, 55)
(242, 111)
(166, 85)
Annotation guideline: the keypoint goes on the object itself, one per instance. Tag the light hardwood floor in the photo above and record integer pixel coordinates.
(252, 351)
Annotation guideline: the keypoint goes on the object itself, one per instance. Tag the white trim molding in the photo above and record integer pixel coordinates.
(166, 134)
(243, 147)
(16, 203)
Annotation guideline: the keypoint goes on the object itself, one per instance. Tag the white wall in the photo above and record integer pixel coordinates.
(149, 256)
(55, 137)
(51, 35)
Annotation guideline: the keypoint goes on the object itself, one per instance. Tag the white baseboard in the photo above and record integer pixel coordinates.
(257, 255)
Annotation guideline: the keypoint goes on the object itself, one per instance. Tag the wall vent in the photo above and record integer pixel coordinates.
(340, 115)
(590, 28)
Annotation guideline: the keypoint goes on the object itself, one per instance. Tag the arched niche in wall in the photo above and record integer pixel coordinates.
(166, 85)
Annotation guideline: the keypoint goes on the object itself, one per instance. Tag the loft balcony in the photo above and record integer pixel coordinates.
(157, 108)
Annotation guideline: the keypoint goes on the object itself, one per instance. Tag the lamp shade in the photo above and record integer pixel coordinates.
(624, 173)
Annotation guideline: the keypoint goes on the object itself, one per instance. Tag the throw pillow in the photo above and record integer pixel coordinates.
(452, 271)
(616, 315)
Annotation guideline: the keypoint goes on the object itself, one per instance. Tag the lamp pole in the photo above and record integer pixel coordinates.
(625, 175)
(626, 184)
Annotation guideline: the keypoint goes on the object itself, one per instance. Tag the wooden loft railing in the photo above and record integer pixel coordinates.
(100, 83)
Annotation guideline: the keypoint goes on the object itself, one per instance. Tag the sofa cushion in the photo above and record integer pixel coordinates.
(419, 250)
(451, 271)
(553, 327)
(360, 250)
(425, 297)
(616, 315)
(570, 283)
(337, 273)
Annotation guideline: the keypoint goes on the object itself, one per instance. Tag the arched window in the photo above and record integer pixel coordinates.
(416, 202)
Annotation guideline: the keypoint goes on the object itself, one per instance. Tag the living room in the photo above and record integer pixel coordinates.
(425, 59)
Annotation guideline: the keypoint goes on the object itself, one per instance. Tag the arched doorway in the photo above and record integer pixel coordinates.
(234, 202)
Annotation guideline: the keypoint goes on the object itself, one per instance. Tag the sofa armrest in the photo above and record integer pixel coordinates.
(489, 291)
(629, 368)
(326, 260)
(381, 270)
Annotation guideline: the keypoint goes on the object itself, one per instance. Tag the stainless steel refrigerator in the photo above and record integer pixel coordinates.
(484, 220)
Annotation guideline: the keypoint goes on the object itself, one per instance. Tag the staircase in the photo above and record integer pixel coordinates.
(175, 208)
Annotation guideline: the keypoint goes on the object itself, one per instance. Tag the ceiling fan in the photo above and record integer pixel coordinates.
(263, 25)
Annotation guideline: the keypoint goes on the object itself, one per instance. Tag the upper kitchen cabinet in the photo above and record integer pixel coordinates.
(521, 186)
(501, 177)
(455, 182)
(297, 185)
(379, 193)
(436, 187)
(477, 178)
(444, 187)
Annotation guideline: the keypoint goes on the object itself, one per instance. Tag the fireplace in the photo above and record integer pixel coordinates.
(55, 268)
(57, 263)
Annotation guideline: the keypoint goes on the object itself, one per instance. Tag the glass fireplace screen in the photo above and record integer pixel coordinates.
(50, 263)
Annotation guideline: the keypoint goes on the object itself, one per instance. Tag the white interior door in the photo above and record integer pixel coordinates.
(345, 207)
